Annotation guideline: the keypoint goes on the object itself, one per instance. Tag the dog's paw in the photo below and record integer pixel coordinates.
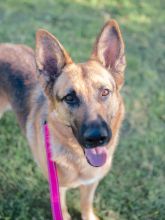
(89, 216)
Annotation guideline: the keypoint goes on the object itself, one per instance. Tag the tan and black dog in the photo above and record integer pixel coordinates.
(81, 103)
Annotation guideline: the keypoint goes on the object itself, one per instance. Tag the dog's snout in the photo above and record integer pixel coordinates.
(95, 137)
(96, 134)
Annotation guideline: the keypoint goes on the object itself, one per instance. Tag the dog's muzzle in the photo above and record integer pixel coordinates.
(93, 137)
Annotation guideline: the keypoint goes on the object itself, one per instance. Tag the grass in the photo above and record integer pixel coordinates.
(134, 189)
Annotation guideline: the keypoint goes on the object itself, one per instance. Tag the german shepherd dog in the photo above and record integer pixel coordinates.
(80, 102)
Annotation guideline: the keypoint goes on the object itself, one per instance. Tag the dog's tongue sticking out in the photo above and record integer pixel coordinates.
(96, 156)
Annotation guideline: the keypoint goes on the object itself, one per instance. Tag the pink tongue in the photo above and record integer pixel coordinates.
(96, 156)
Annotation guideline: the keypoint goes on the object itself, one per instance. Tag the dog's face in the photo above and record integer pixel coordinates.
(84, 96)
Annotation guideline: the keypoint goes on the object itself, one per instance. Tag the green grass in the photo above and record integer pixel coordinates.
(134, 189)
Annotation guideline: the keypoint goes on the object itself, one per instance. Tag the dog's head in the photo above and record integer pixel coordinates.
(84, 96)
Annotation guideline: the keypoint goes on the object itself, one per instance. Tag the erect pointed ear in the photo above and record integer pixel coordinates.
(109, 50)
(51, 58)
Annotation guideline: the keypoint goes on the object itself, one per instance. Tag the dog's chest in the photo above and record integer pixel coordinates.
(90, 179)
(74, 176)
(91, 175)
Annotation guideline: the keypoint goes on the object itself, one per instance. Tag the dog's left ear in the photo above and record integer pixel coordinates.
(51, 58)
(109, 51)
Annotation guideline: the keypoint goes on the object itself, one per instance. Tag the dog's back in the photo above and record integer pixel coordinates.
(17, 79)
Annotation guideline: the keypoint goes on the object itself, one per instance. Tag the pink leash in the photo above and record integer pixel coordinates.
(53, 179)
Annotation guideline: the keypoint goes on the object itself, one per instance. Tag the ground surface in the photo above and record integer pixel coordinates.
(134, 190)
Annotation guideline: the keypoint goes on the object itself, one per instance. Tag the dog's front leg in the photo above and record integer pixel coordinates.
(65, 212)
(87, 195)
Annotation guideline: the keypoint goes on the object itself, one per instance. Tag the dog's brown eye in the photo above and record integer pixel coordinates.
(105, 92)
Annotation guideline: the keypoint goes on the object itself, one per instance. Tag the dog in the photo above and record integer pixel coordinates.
(81, 103)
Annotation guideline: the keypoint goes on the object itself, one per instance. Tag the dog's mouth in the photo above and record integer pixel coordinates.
(96, 156)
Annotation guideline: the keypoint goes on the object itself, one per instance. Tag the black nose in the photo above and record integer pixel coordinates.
(96, 135)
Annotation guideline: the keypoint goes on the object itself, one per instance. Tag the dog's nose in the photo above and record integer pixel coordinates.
(96, 136)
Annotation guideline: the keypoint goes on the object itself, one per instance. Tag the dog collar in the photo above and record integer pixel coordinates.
(52, 178)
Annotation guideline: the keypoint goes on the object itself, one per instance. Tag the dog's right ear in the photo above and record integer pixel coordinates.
(51, 58)
(109, 51)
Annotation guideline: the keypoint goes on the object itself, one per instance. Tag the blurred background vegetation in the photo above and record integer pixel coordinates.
(134, 189)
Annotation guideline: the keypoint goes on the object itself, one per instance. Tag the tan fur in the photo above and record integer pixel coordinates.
(4, 104)
(87, 79)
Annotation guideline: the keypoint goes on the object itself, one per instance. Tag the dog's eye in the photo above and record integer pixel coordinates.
(71, 99)
(105, 92)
